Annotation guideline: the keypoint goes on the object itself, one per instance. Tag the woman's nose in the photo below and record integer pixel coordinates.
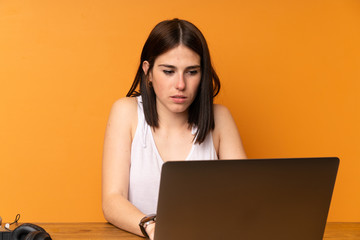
(180, 82)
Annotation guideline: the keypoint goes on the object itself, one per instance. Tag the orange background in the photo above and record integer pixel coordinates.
(290, 73)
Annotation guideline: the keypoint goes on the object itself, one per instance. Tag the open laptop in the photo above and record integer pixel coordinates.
(272, 199)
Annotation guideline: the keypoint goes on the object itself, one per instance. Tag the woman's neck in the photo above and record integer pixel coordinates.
(169, 120)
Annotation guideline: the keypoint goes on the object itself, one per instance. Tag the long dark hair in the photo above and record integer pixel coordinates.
(165, 36)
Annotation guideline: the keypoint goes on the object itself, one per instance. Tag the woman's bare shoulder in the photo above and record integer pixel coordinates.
(124, 111)
(126, 103)
(226, 134)
(221, 113)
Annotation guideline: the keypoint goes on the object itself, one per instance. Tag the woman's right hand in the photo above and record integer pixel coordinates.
(150, 229)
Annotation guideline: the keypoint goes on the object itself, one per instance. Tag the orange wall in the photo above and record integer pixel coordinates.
(290, 72)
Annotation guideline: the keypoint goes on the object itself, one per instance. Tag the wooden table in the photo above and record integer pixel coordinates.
(93, 231)
(104, 231)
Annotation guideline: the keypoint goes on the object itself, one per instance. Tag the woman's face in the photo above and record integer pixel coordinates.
(175, 78)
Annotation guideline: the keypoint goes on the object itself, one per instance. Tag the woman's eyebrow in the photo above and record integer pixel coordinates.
(172, 66)
(166, 65)
(192, 67)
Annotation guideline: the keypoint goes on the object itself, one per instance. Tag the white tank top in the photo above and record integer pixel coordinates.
(146, 164)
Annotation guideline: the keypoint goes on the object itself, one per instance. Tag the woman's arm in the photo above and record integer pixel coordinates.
(227, 139)
(120, 129)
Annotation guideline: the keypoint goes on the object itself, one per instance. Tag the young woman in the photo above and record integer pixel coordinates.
(168, 115)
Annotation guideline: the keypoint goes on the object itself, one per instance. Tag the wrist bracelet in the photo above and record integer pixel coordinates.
(146, 221)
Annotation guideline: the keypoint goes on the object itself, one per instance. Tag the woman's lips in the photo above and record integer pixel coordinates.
(178, 98)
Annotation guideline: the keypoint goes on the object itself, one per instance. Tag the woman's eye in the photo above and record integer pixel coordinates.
(168, 72)
(193, 72)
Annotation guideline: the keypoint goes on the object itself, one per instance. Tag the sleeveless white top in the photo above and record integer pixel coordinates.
(146, 164)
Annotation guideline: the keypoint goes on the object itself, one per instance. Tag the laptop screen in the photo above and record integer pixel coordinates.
(245, 199)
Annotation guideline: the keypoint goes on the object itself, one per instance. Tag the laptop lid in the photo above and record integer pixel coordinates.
(256, 199)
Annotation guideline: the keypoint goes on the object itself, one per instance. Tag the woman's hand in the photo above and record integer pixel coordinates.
(150, 229)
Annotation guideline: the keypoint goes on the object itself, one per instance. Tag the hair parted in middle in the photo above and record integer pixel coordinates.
(165, 36)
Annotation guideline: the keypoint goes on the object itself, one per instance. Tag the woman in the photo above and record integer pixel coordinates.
(168, 115)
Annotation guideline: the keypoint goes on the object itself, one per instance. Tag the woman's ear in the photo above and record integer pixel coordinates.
(145, 67)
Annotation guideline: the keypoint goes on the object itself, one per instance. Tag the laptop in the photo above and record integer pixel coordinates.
(272, 199)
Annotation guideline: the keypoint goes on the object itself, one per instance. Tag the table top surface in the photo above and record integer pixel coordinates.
(333, 231)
